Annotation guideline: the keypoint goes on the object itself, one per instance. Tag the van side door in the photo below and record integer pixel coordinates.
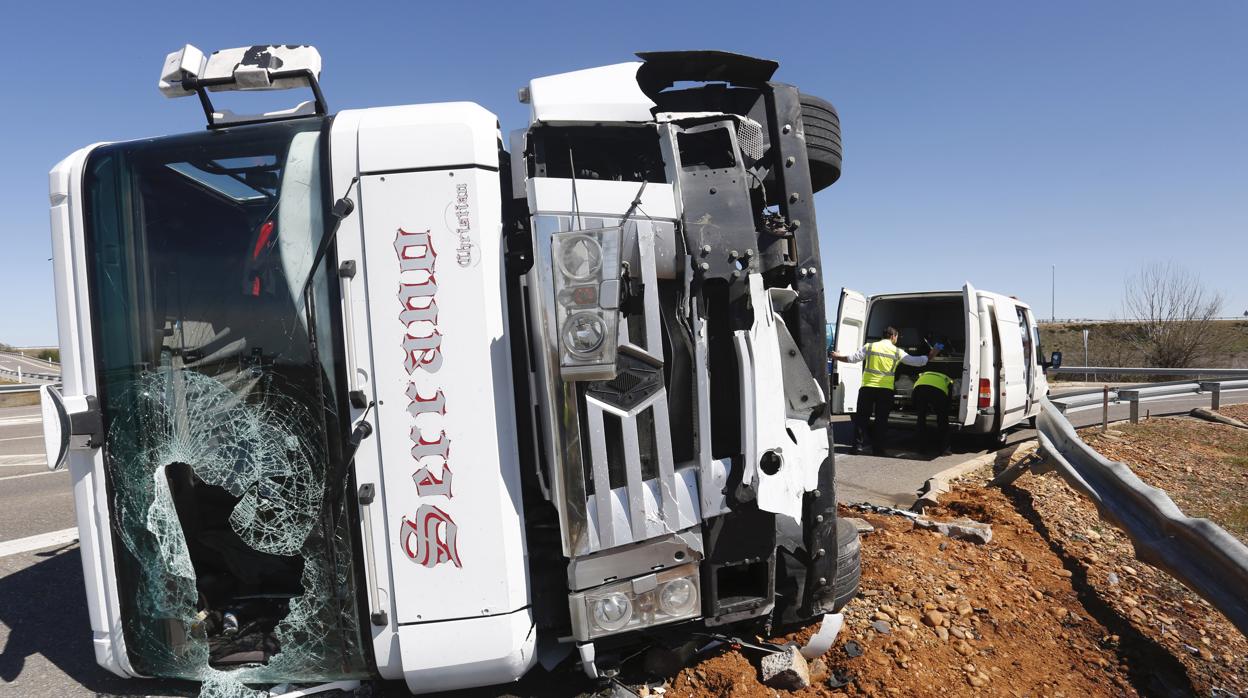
(851, 327)
(1037, 386)
(1012, 388)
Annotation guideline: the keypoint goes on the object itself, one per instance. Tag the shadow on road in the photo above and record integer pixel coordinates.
(904, 444)
(44, 607)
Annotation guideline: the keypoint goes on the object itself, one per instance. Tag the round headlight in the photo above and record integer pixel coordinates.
(580, 257)
(678, 597)
(584, 333)
(612, 611)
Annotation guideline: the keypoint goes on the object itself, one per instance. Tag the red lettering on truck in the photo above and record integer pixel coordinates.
(431, 537)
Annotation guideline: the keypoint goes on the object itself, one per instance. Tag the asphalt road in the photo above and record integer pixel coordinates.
(44, 631)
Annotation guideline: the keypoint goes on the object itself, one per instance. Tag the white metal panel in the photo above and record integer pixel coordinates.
(851, 327)
(426, 135)
(367, 463)
(1012, 388)
(605, 94)
(968, 401)
(780, 491)
(86, 466)
(442, 381)
(617, 512)
(468, 652)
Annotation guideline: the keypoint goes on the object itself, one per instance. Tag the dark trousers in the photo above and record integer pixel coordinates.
(930, 399)
(872, 401)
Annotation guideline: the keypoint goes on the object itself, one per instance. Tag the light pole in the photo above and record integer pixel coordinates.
(1053, 293)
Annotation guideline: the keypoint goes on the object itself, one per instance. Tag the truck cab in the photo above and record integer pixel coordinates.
(991, 351)
(340, 387)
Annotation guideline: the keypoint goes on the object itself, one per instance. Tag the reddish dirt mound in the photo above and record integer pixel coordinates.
(944, 617)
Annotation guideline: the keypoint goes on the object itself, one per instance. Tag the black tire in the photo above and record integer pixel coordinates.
(822, 126)
(848, 564)
(994, 440)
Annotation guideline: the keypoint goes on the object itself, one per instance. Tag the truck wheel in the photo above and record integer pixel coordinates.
(848, 564)
(822, 126)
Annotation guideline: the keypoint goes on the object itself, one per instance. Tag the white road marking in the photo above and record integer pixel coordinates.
(45, 472)
(23, 459)
(23, 438)
(43, 540)
(17, 421)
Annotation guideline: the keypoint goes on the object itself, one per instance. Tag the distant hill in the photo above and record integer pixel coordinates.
(1109, 343)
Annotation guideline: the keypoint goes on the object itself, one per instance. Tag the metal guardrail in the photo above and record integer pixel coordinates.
(18, 388)
(1197, 552)
(1133, 394)
(30, 374)
(1145, 371)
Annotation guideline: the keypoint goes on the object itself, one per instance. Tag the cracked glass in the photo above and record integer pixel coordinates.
(217, 378)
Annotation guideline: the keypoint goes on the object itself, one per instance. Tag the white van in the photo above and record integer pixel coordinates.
(991, 350)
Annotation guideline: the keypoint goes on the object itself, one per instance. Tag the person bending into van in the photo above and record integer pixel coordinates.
(875, 397)
(931, 394)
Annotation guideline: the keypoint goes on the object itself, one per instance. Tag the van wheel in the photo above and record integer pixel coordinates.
(995, 439)
(848, 564)
(822, 126)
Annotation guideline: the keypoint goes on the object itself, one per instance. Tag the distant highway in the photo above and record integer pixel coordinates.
(11, 362)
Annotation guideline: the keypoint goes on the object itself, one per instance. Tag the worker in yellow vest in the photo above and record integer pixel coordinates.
(875, 397)
(931, 394)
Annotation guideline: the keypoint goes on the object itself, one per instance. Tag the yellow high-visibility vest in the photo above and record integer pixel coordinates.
(879, 364)
(935, 379)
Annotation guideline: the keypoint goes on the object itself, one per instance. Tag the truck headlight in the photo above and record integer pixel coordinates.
(678, 597)
(652, 599)
(580, 257)
(613, 611)
(584, 333)
(586, 270)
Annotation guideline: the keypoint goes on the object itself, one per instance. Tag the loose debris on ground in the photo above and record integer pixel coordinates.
(1056, 604)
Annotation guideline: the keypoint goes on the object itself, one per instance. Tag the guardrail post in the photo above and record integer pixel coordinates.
(1105, 410)
(1135, 411)
(1215, 390)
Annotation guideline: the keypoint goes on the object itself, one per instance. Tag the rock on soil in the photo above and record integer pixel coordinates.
(787, 670)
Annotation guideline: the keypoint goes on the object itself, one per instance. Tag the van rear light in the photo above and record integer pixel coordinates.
(985, 393)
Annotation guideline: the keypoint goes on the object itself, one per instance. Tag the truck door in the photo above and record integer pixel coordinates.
(851, 326)
(968, 400)
(1012, 391)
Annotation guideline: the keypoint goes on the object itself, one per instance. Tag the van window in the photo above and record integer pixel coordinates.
(920, 321)
(1029, 353)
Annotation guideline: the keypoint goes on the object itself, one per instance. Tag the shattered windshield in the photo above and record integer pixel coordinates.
(217, 381)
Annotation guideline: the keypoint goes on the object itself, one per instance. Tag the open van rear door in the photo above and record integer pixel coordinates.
(969, 399)
(851, 327)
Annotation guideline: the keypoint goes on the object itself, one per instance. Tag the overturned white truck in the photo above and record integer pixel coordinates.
(367, 395)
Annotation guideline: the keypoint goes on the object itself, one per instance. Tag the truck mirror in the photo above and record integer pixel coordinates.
(1055, 361)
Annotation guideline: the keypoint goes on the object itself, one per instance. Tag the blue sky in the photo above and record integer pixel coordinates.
(984, 141)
